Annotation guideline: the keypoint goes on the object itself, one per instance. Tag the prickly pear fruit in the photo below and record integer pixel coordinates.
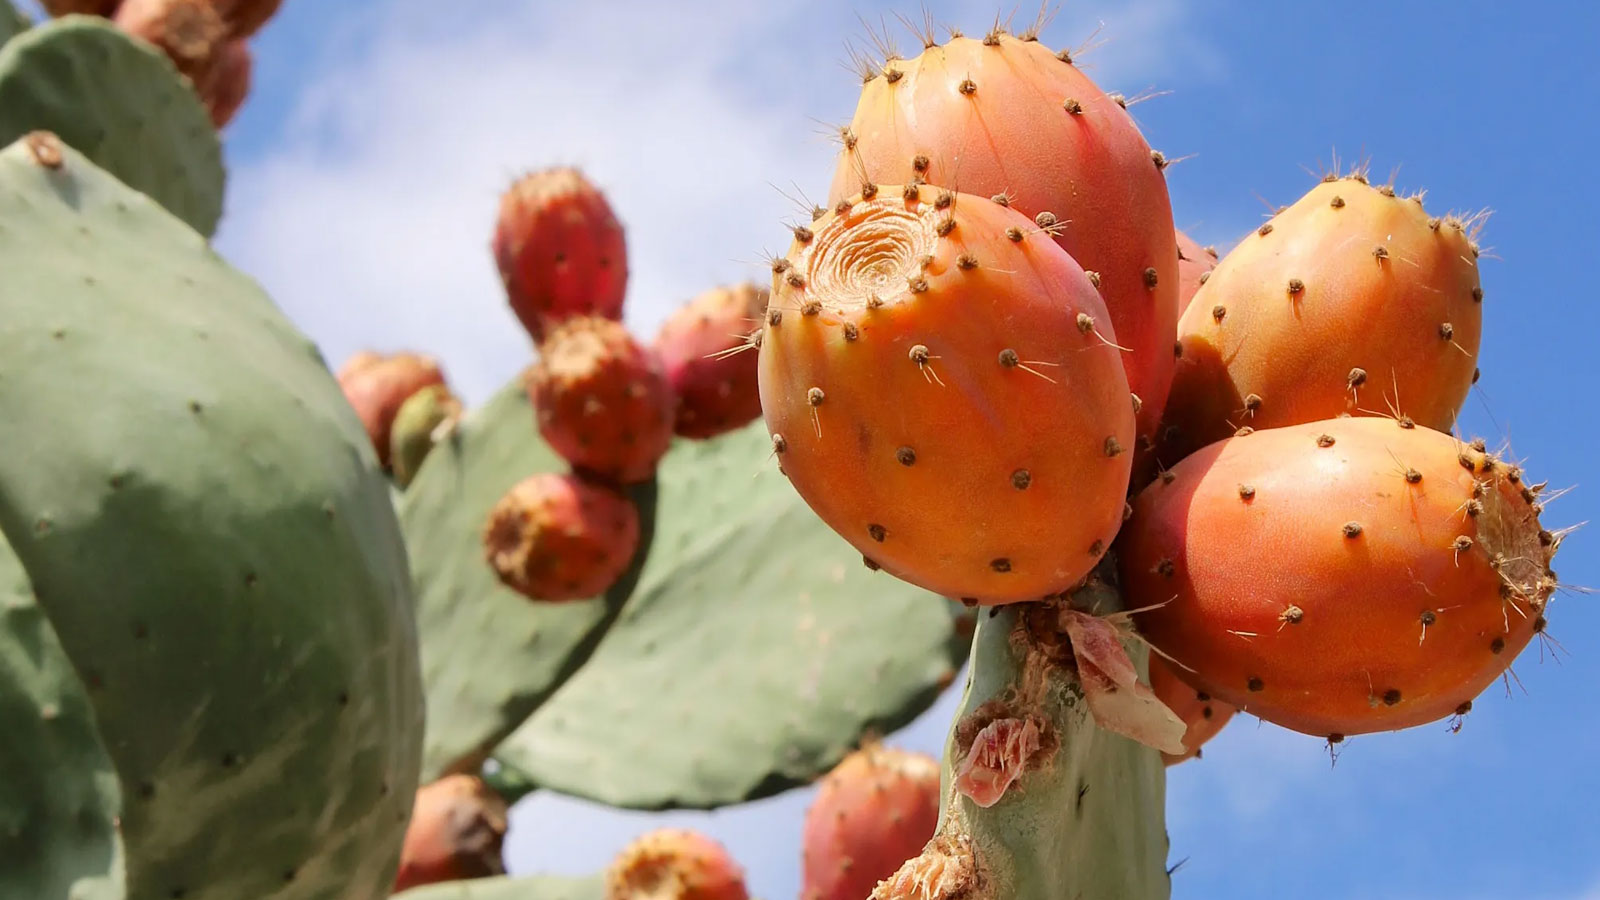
(417, 426)
(84, 7)
(602, 399)
(190, 32)
(675, 864)
(873, 812)
(1005, 115)
(1352, 300)
(1203, 714)
(1407, 570)
(1194, 269)
(228, 83)
(943, 388)
(377, 386)
(458, 825)
(246, 17)
(560, 250)
(557, 537)
(705, 347)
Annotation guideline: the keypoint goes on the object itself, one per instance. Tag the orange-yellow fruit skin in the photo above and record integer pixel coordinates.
(966, 435)
(557, 537)
(874, 811)
(1194, 266)
(1348, 301)
(602, 399)
(1339, 577)
(714, 380)
(1203, 714)
(458, 826)
(675, 864)
(560, 250)
(988, 119)
(376, 386)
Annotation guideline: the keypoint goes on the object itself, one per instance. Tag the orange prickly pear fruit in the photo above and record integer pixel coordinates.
(556, 537)
(705, 347)
(675, 864)
(602, 399)
(1203, 714)
(228, 84)
(458, 825)
(190, 32)
(246, 17)
(85, 7)
(874, 811)
(1006, 116)
(1408, 569)
(1351, 300)
(943, 388)
(560, 250)
(378, 385)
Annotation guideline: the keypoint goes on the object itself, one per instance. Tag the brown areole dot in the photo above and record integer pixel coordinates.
(945, 226)
(968, 87)
(1255, 684)
(1335, 738)
(919, 354)
(1462, 542)
(1165, 568)
(944, 200)
(1150, 277)
(1159, 158)
(1497, 645)
(1252, 402)
(780, 265)
(1009, 358)
(1021, 478)
(850, 331)
(1296, 285)
(1293, 615)
(1413, 476)
(795, 279)
(1015, 233)
(1447, 331)
(919, 164)
(1336, 202)
(1464, 708)
(803, 234)
(1477, 295)
(842, 208)
(966, 261)
(810, 307)
(1045, 219)
(779, 444)
(906, 456)
(1380, 253)
(814, 396)
(1097, 548)
(910, 193)
(868, 190)
(1000, 565)
(869, 563)
(774, 316)
(1112, 446)
(1246, 492)
(1001, 200)
(1352, 529)
(1265, 229)
(1429, 617)
(877, 532)
(1391, 697)
(1072, 106)
(1356, 378)
(1218, 312)
(1094, 278)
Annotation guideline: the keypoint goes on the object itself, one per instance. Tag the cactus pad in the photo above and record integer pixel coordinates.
(204, 524)
(538, 887)
(490, 656)
(121, 103)
(754, 654)
(57, 807)
(12, 22)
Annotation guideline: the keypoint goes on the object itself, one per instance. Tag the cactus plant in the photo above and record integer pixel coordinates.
(541, 887)
(204, 526)
(12, 22)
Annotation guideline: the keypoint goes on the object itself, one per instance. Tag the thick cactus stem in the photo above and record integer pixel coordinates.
(1040, 802)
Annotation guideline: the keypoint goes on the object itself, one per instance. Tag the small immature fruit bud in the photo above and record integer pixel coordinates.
(457, 829)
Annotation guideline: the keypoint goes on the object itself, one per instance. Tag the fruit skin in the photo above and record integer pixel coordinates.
(967, 435)
(874, 811)
(674, 864)
(1383, 606)
(1014, 133)
(560, 250)
(1307, 318)
(245, 17)
(415, 427)
(227, 86)
(716, 389)
(555, 537)
(86, 7)
(602, 399)
(376, 386)
(458, 826)
(1194, 266)
(1205, 715)
(190, 32)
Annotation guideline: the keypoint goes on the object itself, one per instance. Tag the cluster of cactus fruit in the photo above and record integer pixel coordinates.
(1058, 433)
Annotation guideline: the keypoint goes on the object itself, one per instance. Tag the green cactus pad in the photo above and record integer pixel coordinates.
(59, 798)
(490, 655)
(538, 887)
(12, 22)
(204, 523)
(756, 651)
(120, 102)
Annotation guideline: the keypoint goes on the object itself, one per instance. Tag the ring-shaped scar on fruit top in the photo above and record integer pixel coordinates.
(1407, 570)
(944, 389)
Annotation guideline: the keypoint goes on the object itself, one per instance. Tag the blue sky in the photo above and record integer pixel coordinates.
(367, 166)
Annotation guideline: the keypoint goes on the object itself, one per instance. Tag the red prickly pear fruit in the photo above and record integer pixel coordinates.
(602, 400)
(246, 17)
(675, 864)
(228, 83)
(1408, 570)
(705, 347)
(560, 250)
(189, 32)
(557, 537)
(1194, 269)
(874, 811)
(1007, 116)
(376, 386)
(80, 7)
(1203, 714)
(1352, 300)
(944, 390)
(458, 825)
